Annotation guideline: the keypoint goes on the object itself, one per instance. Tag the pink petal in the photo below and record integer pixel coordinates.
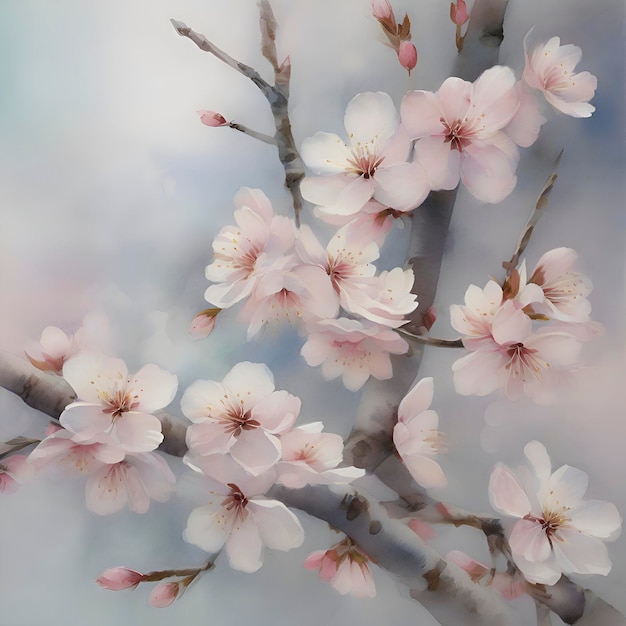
(506, 493)
(244, 547)
(256, 201)
(314, 560)
(164, 594)
(495, 96)
(538, 457)
(118, 578)
(580, 553)
(138, 496)
(425, 471)
(156, 387)
(277, 412)
(323, 190)
(87, 421)
(479, 373)
(352, 197)
(83, 370)
(418, 399)
(138, 432)
(529, 539)
(402, 187)
(454, 99)
(208, 527)
(440, 163)
(510, 324)
(105, 490)
(566, 487)
(209, 438)
(421, 115)
(256, 451)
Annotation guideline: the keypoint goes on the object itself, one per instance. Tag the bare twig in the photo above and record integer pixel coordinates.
(431, 341)
(542, 201)
(15, 445)
(252, 133)
(277, 95)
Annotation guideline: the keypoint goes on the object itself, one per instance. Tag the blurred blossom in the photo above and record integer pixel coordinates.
(416, 437)
(557, 531)
(346, 567)
(14, 471)
(550, 69)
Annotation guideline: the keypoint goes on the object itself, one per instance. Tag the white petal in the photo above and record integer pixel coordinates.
(325, 153)
(421, 115)
(425, 471)
(156, 387)
(90, 373)
(579, 553)
(371, 116)
(597, 518)
(506, 493)
(256, 451)
(402, 187)
(529, 539)
(208, 527)
(279, 528)
(418, 399)
(244, 547)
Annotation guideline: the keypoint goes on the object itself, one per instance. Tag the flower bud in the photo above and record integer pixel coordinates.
(119, 578)
(407, 55)
(164, 594)
(211, 118)
(203, 323)
(458, 12)
(382, 11)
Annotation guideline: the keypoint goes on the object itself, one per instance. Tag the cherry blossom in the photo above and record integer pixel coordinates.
(346, 567)
(118, 578)
(557, 531)
(113, 407)
(520, 361)
(243, 415)
(525, 125)
(14, 471)
(211, 118)
(134, 481)
(310, 457)
(346, 261)
(460, 136)
(245, 251)
(374, 165)
(564, 290)
(352, 349)
(236, 514)
(416, 437)
(550, 69)
(290, 291)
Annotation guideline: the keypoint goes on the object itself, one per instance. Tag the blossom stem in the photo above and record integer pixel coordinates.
(252, 133)
(190, 573)
(527, 232)
(431, 341)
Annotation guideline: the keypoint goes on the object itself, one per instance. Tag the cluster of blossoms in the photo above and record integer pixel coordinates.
(497, 327)
(110, 433)
(241, 442)
(284, 274)
(557, 531)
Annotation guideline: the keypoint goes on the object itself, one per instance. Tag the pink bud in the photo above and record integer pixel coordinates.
(407, 55)
(203, 323)
(422, 529)
(382, 11)
(430, 317)
(164, 594)
(119, 578)
(458, 13)
(211, 118)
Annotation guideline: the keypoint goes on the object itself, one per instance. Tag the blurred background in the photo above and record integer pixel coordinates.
(111, 192)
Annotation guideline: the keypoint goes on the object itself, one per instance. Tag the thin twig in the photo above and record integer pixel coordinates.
(542, 201)
(252, 133)
(431, 341)
(17, 444)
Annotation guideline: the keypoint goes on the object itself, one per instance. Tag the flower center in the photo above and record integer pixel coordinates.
(363, 162)
(551, 522)
(237, 420)
(236, 501)
(119, 401)
(459, 133)
(522, 360)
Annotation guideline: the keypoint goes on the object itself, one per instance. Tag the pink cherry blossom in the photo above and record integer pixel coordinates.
(310, 457)
(113, 407)
(557, 531)
(386, 299)
(134, 481)
(525, 125)
(550, 69)
(289, 291)
(14, 471)
(346, 261)
(507, 585)
(352, 349)
(238, 516)
(416, 437)
(565, 290)
(460, 136)
(520, 361)
(244, 251)
(211, 118)
(407, 55)
(204, 323)
(374, 165)
(346, 567)
(118, 578)
(243, 415)
(164, 594)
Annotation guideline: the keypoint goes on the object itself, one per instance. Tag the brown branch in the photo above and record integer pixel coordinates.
(431, 341)
(542, 201)
(253, 133)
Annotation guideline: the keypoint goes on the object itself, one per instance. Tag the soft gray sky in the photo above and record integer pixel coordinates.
(112, 191)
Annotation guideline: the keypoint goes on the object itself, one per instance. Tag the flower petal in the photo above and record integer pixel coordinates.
(506, 493)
